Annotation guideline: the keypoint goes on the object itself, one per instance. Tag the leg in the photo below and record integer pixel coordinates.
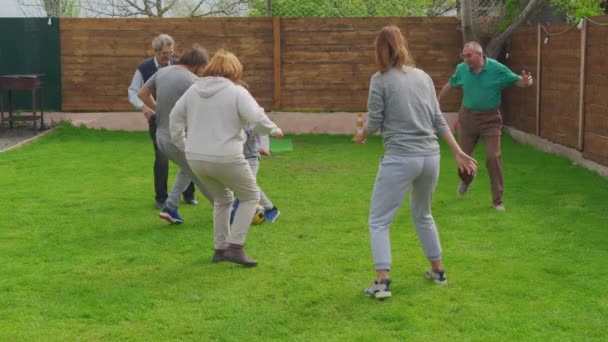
(34, 108)
(494, 165)
(254, 164)
(41, 109)
(394, 177)
(188, 178)
(221, 207)
(420, 207)
(467, 142)
(161, 167)
(189, 193)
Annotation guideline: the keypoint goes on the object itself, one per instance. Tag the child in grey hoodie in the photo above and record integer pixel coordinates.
(252, 150)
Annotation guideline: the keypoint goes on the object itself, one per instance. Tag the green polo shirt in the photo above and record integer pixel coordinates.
(482, 91)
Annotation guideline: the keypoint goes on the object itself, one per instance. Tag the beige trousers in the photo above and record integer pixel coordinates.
(221, 179)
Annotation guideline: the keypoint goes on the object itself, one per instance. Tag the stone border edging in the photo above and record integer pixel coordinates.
(27, 141)
(546, 146)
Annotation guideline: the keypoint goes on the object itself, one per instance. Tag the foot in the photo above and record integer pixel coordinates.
(191, 201)
(438, 276)
(236, 254)
(499, 207)
(380, 289)
(463, 188)
(272, 214)
(218, 255)
(170, 216)
(159, 205)
(235, 206)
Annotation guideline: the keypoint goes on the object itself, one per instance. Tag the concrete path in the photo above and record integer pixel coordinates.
(290, 122)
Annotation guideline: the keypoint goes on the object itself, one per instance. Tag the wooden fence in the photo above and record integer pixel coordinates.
(290, 64)
(569, 105)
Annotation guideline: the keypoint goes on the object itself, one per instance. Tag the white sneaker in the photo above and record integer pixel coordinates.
(499, 207)
(379, 289)
(438, 276)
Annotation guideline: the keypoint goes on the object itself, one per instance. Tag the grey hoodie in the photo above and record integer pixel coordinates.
(215, 111)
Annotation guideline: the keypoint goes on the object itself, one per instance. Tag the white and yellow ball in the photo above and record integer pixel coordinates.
(258, 217)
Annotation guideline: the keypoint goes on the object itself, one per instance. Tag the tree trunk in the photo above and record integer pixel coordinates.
(468, 30)
(496, 44)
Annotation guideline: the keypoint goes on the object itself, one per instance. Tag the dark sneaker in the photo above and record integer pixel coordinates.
(236, 254)
(218, 255)
(272, 214)
(438, 276)
(170, 216)
(379, 289)
(159, 205)
(191, 201)
(463, 188)
(235, 206)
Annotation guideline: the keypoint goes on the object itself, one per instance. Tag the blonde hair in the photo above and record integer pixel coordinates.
(224, 64)
(391, 49)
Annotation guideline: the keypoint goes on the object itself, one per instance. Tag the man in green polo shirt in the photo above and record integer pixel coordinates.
(482, 80)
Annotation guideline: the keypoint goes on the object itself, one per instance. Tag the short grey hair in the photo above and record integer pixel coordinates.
(474, 45)
(161, 41)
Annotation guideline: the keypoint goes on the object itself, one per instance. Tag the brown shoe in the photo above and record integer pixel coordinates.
(235, 253)
(218, 255)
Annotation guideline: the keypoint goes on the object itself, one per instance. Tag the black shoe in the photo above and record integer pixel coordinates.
(159, 205)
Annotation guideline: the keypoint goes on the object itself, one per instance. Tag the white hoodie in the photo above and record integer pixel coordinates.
(214, 111)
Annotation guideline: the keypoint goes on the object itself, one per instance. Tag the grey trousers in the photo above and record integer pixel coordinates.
(183, 177)
(220, 179)
(254, 164)
(395, 176)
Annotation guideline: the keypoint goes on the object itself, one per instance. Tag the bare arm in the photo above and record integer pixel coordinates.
(444, 91)
(145, 95)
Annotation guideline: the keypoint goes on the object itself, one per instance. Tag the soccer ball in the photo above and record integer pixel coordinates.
(258, 217)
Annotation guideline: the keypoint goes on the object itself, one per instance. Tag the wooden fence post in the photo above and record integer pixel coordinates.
(538, 76)
(276, 26)
(581, 99)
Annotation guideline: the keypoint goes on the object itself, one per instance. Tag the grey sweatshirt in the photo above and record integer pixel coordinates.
(402, 104)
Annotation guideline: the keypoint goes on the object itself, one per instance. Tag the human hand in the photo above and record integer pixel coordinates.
(264, 152)
(148, 112)
(360, 137)
(278, 134)
(526, 78)
(466, 163)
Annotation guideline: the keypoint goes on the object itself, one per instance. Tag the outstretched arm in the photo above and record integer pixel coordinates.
(444, 91)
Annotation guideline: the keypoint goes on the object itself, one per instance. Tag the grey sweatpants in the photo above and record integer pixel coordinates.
(395, 176)
(183, 177)
(254, 164)
(220, 179)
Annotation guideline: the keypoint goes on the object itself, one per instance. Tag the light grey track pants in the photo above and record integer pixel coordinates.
(183, 177)
(220, 179)
(254, 164)
(395, 176)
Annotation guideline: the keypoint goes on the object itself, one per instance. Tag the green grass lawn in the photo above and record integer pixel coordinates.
(84, 256)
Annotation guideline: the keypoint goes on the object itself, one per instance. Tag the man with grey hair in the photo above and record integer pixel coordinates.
(163, 46)
(482, 80)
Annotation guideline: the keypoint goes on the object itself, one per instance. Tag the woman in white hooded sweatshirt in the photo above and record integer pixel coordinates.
(214, 111)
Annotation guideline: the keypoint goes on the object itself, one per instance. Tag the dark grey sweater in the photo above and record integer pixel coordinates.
(402, 104)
